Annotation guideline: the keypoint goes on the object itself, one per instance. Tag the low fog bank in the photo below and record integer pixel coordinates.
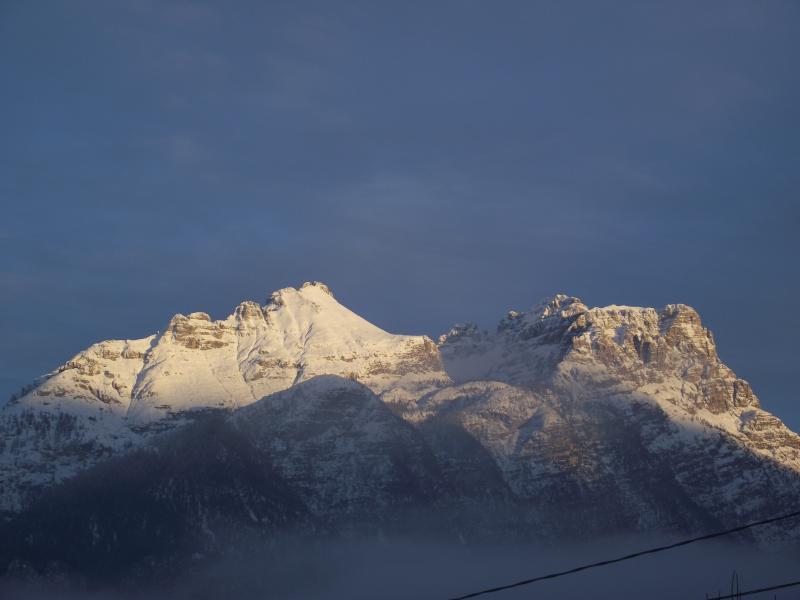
(411, 569)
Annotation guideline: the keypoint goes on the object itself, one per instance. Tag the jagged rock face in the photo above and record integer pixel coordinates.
(577, 471)
(350, 458)
(618, 396)
(611, 464)
(639, 347)
(98, 381)
(567, 420)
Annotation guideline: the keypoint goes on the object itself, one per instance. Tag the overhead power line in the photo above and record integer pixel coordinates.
(758, 591)
(612, 561)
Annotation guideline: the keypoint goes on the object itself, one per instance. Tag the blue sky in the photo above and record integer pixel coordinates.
(434, 162)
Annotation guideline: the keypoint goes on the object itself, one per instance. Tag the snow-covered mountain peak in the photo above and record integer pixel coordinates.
(248, 310)
(312, 313)
(318, 285)
(309, 291)
(560, 304)
(200, 363)
(564, 407)
(555, 309)
(562, 338)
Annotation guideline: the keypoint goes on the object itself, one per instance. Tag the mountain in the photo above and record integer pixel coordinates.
(630, 407)
(565, 422)
(114, 395)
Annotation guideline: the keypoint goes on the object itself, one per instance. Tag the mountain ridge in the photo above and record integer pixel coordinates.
(623, 415)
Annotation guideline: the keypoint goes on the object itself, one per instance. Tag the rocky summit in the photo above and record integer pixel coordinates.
(565, 421)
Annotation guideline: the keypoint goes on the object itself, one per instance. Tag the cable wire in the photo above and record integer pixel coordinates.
(758, 591)
(611, 561)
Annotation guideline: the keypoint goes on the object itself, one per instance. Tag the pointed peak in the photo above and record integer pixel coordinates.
(562, 304)
(318, 285)
(280, 297)
(559, 305)
(671, 310)
(673, 315)
(176, 318)
(248, 310)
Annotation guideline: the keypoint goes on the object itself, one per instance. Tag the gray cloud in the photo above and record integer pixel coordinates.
(433, 164)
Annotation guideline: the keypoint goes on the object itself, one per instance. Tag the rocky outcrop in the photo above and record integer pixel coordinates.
(627, 408)
(355, 464)
(637, 347)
